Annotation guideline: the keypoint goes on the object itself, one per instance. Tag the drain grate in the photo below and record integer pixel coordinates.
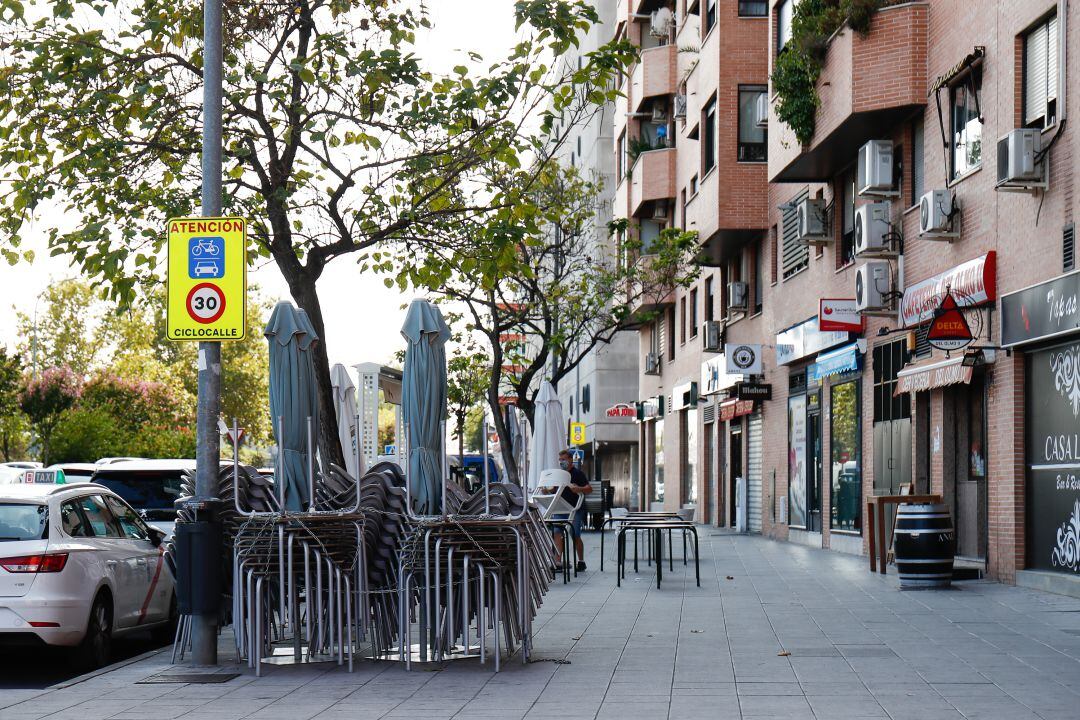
(190, 678)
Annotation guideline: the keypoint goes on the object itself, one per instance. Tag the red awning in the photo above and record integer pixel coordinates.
(730, 409)
(927, 376)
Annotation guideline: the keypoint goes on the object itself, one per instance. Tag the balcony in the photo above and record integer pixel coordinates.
(655, 75)
(652, 178)
(867, 85)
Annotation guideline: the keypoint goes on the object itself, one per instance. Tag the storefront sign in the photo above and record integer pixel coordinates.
(621, 411)
(933, 375)
(949, 329)
(835, 314)
(715, 377)
(1053, 459)
(973, 283)
(805, 339)
(684, 395)
(651, 408)
(834, 362)
(1042, 311)
(730, 409)
(743, 359)
(753, 391)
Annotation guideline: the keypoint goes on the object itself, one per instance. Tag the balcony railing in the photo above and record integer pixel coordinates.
(652, 178)
(867, 84)
(655, 75)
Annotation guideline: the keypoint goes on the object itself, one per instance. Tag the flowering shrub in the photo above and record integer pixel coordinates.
(44, 400)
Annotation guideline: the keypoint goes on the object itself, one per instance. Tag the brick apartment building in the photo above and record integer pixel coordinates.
(869, 406)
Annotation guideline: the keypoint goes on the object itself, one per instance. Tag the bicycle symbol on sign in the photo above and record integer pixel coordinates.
(206, 245)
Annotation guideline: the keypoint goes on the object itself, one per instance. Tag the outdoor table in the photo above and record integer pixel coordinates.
(629, 517)
(875, 519)
(656, 527)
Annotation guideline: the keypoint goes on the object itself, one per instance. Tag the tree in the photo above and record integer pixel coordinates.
(45, 398)
(467, 374)
(12, 421)
(338, 142)
(560, 290)
(68, 331)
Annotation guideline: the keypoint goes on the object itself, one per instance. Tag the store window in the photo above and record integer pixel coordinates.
(753, 139)
(658, 481)
(846, 459)
(967, 125)
(1041, 74)
(690, 453)
(708, 136)
(797, 458)
(753, 8)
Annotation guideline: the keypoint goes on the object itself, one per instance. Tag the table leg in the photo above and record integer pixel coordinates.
(670, 554)
(635, 550)
(871, 538)
(603, 524)
(697, 563)
(620, 550)
(684, 548)
(883, 545)
(659, 544)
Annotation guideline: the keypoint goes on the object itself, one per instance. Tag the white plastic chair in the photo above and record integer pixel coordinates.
(553, 503)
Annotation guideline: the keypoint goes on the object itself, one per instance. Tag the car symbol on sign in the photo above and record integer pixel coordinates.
(207, 268)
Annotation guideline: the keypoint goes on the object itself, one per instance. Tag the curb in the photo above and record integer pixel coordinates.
(108, 669)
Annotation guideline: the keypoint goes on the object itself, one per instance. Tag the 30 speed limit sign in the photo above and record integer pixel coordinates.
(205, 303)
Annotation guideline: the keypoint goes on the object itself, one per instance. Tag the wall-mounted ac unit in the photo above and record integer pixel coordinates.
(873, 230)
(813, 217)
(1018, 161)
(936, 214)
(713, 334)
(659, 114)
(661, 22)
(873, 286)
(652, 363)
(680, 105)
(761, 110)
(874, 173)
(738, 295)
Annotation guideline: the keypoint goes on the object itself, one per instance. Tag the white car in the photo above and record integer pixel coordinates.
(10, 472)
(78, 567)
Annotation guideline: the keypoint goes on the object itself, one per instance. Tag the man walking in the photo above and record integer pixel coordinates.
(579, 485)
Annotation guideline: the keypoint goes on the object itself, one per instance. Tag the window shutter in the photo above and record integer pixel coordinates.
(1035, 74)
(796, 255)
(708, 413)
(1052, 58)
(1068, 248)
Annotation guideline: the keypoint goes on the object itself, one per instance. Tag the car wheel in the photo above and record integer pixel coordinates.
(96, 646)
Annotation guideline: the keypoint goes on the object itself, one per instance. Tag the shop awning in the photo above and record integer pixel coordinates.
(927, 376)
(730, 409)
(834, 362)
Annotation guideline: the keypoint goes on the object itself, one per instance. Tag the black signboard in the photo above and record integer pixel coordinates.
(1045, 310)
(1053, 459)
(753, 391)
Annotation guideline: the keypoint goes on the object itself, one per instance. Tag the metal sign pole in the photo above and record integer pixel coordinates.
(208, 442)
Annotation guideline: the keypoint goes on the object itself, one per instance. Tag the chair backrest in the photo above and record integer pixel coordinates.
(553, 478)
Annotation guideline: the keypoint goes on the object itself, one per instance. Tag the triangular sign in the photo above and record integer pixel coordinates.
(949, 328)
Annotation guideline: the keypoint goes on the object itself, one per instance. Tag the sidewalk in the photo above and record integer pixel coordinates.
(858, 648)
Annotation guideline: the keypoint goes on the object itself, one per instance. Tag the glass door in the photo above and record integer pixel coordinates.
(813, 470)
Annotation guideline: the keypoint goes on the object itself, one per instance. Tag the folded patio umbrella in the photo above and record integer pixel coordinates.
(345, 407)
(293, 397)
(547, 439)
(423, 402)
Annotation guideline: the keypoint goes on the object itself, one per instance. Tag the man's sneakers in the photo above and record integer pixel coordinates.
(580, 567)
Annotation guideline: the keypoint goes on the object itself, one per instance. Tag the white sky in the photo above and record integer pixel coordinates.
(363, 318)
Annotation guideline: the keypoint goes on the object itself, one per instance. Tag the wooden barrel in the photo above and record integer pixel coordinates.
(924, 544)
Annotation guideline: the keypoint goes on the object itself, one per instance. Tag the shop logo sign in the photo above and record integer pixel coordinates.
(1067, 552)
(743, 359)
(950, 329)
(1066, 368)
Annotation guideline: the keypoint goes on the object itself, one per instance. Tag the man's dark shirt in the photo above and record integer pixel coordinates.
(576, 478)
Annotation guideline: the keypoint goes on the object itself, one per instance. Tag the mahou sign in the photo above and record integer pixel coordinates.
(972, 283)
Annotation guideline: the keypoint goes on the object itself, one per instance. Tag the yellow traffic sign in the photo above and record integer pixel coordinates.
(577, 433)
(207, 278)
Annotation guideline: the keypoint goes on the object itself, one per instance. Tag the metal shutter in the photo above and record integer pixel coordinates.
(795, 254)
(1040, 69)
(753, 467)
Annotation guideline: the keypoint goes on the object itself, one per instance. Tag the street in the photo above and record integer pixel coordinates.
(38, 668)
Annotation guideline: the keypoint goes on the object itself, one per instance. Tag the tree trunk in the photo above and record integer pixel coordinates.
(506, 448)
(461, 437)
(304, 292)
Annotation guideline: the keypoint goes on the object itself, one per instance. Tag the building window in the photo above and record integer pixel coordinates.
(671, 334)
(710, 17)
(759, 276)
(1041, 74)
(753, 8)
(682, 320)
(689, 458)
(846, 249)
(784, 11)
(655, 340)
(693, 312)
(658, 461)
(966, 124)
(917, 171)
(709, 299)
(889, 358)
(795, 255)
(708, 136)
(682, 208)
(752, 137)
(846, 495)
(620, 158)
(693, 186)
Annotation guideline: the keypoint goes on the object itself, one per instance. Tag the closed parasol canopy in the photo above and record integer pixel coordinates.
(345, 408)
(547, 439)
(423, 403)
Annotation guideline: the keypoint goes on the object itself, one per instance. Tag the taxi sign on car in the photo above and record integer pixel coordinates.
(43, 477)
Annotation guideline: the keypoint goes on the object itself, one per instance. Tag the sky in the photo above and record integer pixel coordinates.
(363, 318)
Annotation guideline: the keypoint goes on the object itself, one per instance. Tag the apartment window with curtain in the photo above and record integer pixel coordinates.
(693, 312)
(967, 124)
(1041, 74)
(753, 8)
(917, 172)
(709, 299)
(708, 136)
(752, 138)
(784, 12)
(759, 277)
(708, 22)
(845, 251)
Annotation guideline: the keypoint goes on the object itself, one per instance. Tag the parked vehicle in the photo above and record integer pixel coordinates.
(149, 486)
(470, 473)
(79, 567)
(75, 472)
(10, 472)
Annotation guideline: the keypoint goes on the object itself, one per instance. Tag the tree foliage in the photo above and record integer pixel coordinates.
(44, 400)
(13, 423)
(337, 140)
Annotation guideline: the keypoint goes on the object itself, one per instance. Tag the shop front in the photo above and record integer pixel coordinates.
(722, 437)
(1044, 322)
(685, 405)
(837, 376)
(650, 418)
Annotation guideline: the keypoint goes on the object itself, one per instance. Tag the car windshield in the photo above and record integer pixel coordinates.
(152, 492)
(23, 521)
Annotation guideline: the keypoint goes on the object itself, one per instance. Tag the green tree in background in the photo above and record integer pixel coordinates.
(45, 399)
(68, 329)
(13, 423)
(467, 373)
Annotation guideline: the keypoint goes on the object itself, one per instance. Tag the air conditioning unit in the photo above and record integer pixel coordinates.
(761, 110)
(873, 286)
(652, 363)
(873, 229)
(680, 105)
(659, 210)
(659, 114)
(874, 174)
(713, 333)
(936, 212)
(1018, 159)
(813, 217)
(738, 295)
(661, 22)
